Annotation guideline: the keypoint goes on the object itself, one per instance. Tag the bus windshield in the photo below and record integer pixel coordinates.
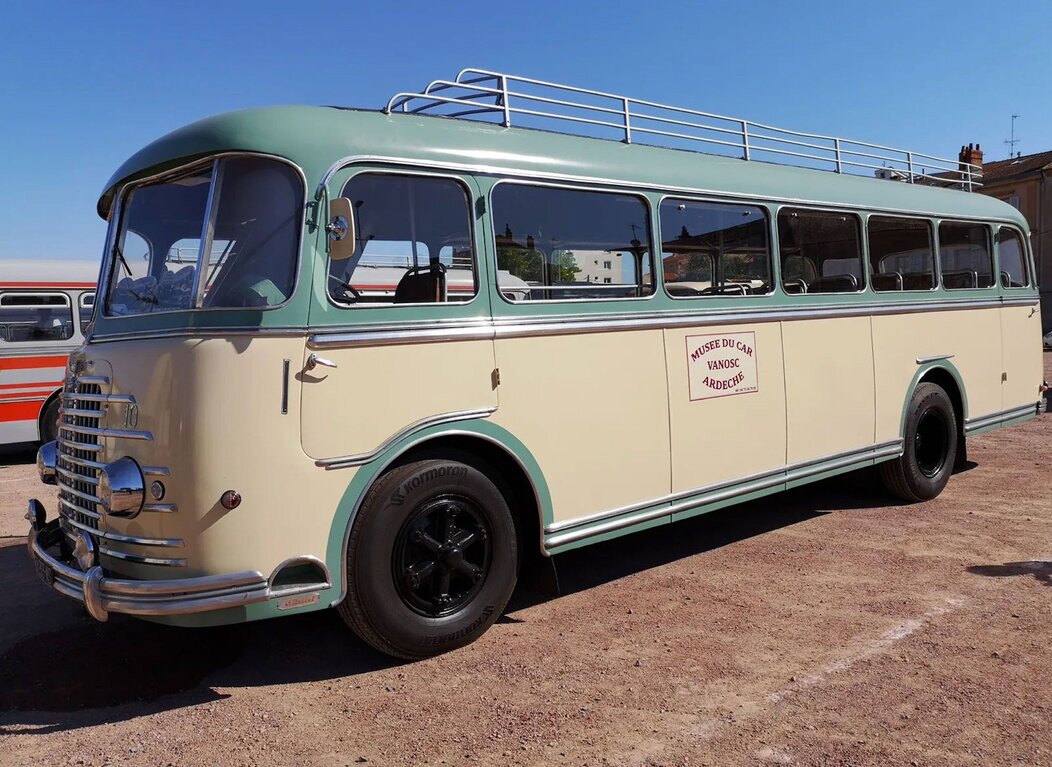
(223, 235)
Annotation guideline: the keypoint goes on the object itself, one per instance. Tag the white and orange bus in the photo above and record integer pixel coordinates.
(45, 307)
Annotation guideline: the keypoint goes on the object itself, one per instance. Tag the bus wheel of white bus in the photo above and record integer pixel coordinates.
(930, 448)
(432, 559)
(49, 421)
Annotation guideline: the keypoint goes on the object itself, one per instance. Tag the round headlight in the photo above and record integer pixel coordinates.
(47, 459)
(121, 489)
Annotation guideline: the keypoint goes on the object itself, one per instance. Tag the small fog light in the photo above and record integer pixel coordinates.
(231, 499)
(157, 490)
(84, 552)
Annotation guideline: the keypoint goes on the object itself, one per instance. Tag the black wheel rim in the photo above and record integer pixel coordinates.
(442, 556)
(931, 444)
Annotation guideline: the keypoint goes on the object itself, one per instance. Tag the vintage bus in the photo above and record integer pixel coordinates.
(377, 360)
(45, 307)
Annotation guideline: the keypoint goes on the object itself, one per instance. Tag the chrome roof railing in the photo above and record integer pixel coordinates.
(496, 97)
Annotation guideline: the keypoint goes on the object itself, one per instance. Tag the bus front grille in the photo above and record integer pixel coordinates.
(78, 448)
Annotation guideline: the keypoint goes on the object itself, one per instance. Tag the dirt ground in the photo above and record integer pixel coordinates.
(826, 626)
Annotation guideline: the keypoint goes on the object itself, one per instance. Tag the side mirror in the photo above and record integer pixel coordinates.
(340, 229)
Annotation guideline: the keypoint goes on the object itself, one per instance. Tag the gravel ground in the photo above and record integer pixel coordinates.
(825, 626)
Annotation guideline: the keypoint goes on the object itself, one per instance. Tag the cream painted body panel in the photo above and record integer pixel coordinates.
(377, 391)
(725, 437)
(972, 337)
(593, 411)
(1023, 365)
(829, 388)
(213, 407)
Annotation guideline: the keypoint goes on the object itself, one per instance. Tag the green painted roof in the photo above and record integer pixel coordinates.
(316, 137)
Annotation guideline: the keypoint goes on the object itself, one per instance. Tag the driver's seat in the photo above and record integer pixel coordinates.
(422, 285)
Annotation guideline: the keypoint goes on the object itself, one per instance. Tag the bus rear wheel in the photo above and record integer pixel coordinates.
(930, 448)
(432, 559)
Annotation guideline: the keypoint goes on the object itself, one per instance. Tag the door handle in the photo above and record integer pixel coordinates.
(314, 361)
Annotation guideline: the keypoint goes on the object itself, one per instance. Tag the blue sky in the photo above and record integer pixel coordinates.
(84, 85)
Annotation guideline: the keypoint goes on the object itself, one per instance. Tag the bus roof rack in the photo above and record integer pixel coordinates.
(495, 97)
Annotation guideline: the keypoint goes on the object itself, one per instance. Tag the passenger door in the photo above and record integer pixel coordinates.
(1020, 323)
(400, 329)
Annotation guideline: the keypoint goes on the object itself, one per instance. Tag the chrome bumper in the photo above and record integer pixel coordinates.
(102, 595)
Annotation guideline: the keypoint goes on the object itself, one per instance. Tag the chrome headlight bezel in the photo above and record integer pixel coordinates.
(47, 463)
(122, 488)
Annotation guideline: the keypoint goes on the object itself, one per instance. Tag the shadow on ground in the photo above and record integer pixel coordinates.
(18, 454)
(60, 670)
(1042, 571)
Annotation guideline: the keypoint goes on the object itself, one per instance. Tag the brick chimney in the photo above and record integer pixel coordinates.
(971, 154)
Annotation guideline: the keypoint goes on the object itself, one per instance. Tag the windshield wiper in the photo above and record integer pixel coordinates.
(120, 255)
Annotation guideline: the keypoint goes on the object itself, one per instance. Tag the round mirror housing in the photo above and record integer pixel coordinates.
(121, 488)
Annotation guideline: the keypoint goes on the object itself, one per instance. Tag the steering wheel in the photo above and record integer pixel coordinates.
(347, 287)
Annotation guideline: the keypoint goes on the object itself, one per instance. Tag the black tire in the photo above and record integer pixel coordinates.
(930, 449)
(409, 599)
(49, 421)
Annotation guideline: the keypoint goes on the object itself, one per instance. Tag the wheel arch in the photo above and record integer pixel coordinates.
(944, 374)
(54, 396)
(480, 442)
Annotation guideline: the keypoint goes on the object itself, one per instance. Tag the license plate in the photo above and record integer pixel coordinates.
(46, 573)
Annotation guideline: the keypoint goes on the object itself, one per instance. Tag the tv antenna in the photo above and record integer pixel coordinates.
(1013, 141)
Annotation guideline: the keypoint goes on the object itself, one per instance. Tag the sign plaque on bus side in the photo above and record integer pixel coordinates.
(721, 365)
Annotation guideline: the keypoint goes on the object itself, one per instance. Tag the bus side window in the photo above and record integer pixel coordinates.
(714, 249)
(559, 244)
(821, 252)
(414, 243)
(901, 253)
(87, 306)
(1012, 256)
(964, 255)
(35, 317)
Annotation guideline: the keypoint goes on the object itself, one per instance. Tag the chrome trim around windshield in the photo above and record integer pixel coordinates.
(346, 461)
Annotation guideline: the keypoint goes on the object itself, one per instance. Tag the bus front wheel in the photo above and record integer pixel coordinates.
(432, 559)
(929, 449)
(49, 421)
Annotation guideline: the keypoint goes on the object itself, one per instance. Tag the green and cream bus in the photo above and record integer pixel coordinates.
(375, 360)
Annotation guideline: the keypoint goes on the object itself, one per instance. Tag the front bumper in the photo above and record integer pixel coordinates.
(102, 595)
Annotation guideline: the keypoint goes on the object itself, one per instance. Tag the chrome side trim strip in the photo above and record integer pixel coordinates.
(519, 327)
(142, 560)
(79, 413)
(643, 512)
(159, 471)
(39, 398)
(130, 539)
(390, 335)
(79, 477)
(78, 509)
(115, 433)
(971, 424)
(166, 507)
(934, 358)
(123, 398)
(80, 461)
(81, 446)
(343, 462)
